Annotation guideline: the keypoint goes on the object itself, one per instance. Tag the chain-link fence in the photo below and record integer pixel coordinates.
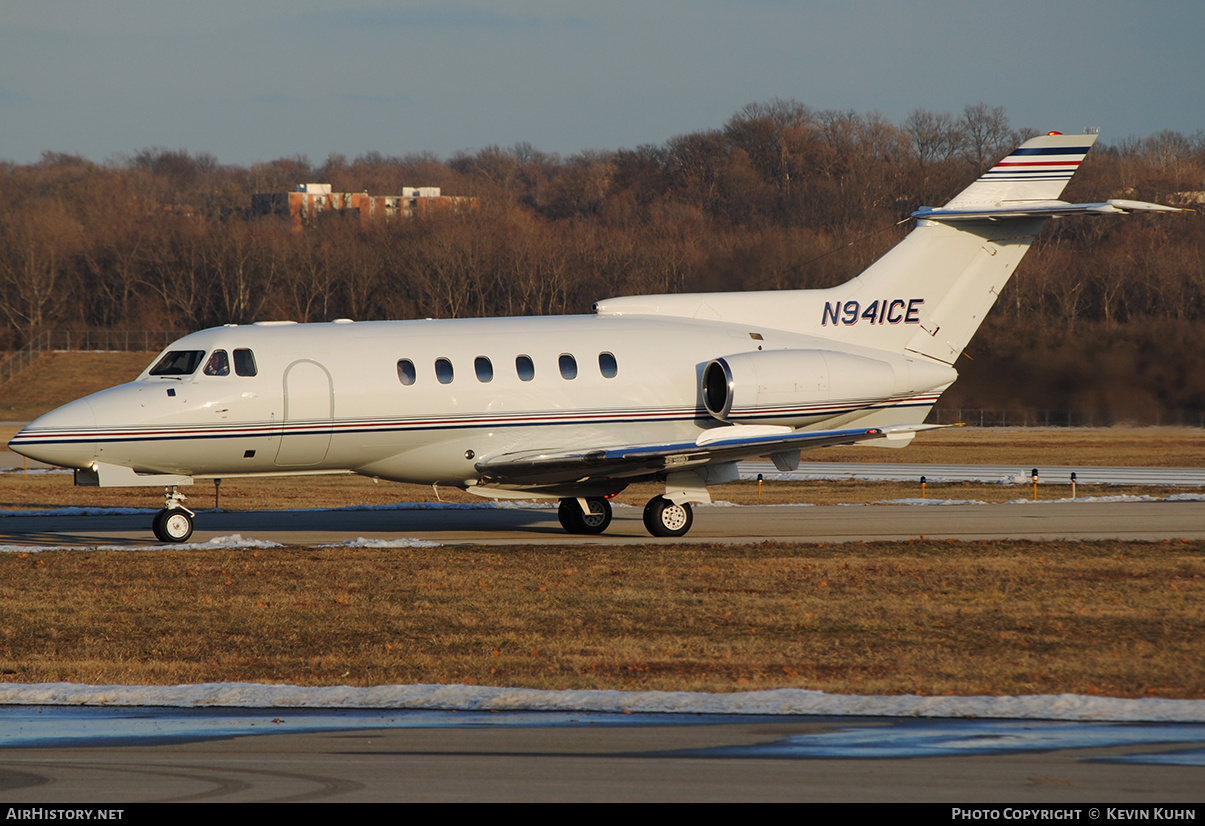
(1061, 418)
(130, 341)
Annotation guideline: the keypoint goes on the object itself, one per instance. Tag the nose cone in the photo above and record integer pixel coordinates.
(65, 437)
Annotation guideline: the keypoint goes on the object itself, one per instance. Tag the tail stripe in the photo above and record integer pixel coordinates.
(1037, 171)
(1052, 150)
(1059, 164)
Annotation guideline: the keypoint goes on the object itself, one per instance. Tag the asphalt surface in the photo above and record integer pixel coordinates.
(762, 759)
(509, 526)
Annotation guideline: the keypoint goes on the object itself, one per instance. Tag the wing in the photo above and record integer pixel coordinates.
(722, 444)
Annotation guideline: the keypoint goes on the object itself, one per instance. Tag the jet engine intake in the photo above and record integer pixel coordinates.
(795, 386)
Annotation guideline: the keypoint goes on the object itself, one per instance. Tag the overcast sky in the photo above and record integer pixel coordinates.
(254, 80)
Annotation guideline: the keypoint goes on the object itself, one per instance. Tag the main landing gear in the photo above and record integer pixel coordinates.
(173, 523)
(661, 516)
(575, 518)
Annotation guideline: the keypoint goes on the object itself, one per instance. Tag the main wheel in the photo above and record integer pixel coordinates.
(574, 521)
(663, 518)
(172, 525)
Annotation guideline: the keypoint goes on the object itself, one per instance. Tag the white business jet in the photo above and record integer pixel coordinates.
(668, 388)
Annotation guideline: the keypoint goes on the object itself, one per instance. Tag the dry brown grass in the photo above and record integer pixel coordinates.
(57, 378)
(1120, 619)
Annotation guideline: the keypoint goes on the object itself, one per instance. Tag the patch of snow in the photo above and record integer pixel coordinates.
(923, 502)
(233, 541)
(782, 701)
(362, 542)
(76, 511)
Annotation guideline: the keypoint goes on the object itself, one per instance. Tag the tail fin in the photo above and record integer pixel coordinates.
(945, 276)
(928, 295)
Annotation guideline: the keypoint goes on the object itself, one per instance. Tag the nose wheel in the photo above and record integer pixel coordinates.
(173, 523)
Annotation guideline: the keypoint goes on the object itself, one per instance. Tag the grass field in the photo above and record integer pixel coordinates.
(57, 378)
(1110, 618)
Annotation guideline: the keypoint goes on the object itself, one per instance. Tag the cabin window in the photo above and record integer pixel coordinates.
(406, 373)
(607, 365)
(244, 362)
(218, 364)
(568, 366)
(485, 370)
(178, 363)
(443, 371)
(525, 367)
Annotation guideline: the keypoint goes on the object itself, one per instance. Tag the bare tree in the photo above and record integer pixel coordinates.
(936, 137)
(987, 134)
(38, 240)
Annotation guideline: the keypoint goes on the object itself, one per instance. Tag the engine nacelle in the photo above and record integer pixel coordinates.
(798, 386)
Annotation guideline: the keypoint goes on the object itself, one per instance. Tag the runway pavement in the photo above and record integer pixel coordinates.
(593, 759)
(509, 526)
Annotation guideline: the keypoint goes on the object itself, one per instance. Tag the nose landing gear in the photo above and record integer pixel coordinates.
(174, 522)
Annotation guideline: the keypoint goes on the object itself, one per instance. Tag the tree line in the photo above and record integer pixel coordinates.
(779, 196)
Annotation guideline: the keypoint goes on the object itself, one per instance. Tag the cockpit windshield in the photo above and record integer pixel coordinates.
(178, 363)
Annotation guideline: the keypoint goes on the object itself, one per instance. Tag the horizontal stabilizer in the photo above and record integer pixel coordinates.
(1038, 209)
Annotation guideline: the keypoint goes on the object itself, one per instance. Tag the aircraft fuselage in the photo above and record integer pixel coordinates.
(333, 397)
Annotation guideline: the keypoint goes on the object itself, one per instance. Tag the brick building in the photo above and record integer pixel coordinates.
(313, 201)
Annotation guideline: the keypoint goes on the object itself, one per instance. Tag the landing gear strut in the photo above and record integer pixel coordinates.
(663, 518)
(574, 520)
(174, 522)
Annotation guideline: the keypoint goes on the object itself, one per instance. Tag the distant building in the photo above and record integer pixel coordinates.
(312, 201)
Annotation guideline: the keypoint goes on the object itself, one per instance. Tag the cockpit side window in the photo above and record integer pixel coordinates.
(218, 364)
(178, 363)
(244, 362)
